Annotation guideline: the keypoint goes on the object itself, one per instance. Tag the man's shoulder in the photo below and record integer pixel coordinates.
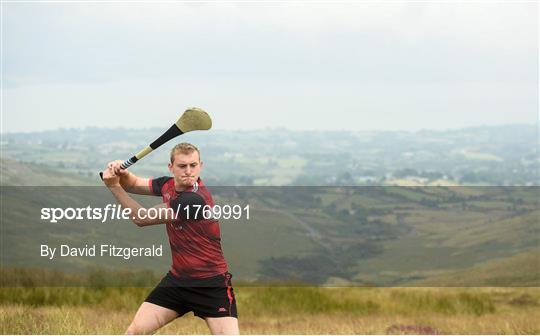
(164, 179)
(158, 183)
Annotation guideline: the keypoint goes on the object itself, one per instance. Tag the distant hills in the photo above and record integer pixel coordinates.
(495, 155)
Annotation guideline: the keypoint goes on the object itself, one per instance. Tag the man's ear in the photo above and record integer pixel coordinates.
(170, 166)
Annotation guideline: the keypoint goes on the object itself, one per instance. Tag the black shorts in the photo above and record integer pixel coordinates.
(208, 297)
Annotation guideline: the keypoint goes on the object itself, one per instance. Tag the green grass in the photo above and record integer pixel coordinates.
(285, 310)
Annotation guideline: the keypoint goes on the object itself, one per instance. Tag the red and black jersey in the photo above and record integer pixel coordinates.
(195, 242)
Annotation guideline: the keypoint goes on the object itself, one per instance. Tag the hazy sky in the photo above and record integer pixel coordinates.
(300, 65)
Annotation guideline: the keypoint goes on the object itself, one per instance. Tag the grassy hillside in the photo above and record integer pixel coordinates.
(522, 269)
(16, 173)
(318, 235)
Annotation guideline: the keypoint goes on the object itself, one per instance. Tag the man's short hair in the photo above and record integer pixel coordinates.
(184, 148)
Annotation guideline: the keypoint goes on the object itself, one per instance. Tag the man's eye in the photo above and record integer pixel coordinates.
(194, 165)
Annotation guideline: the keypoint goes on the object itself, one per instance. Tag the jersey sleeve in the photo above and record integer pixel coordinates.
(188, 205)
(157, 184)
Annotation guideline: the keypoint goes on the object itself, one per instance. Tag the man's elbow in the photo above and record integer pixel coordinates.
(139, 221)
(141, 218)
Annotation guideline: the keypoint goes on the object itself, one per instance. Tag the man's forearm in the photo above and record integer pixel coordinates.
(139, 214)
(128, 180)
(125, 200)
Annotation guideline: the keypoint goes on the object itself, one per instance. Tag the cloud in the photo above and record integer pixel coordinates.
(400, 61)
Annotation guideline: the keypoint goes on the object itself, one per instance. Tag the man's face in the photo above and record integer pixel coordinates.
(186, 168)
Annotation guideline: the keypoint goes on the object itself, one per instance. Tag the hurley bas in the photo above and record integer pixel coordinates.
(103, 250)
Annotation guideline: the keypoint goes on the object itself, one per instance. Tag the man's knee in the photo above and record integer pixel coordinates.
(149, 318)
(135, 329)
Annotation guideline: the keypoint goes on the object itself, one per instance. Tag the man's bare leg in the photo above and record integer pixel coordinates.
(223, 325)
(149, 318)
